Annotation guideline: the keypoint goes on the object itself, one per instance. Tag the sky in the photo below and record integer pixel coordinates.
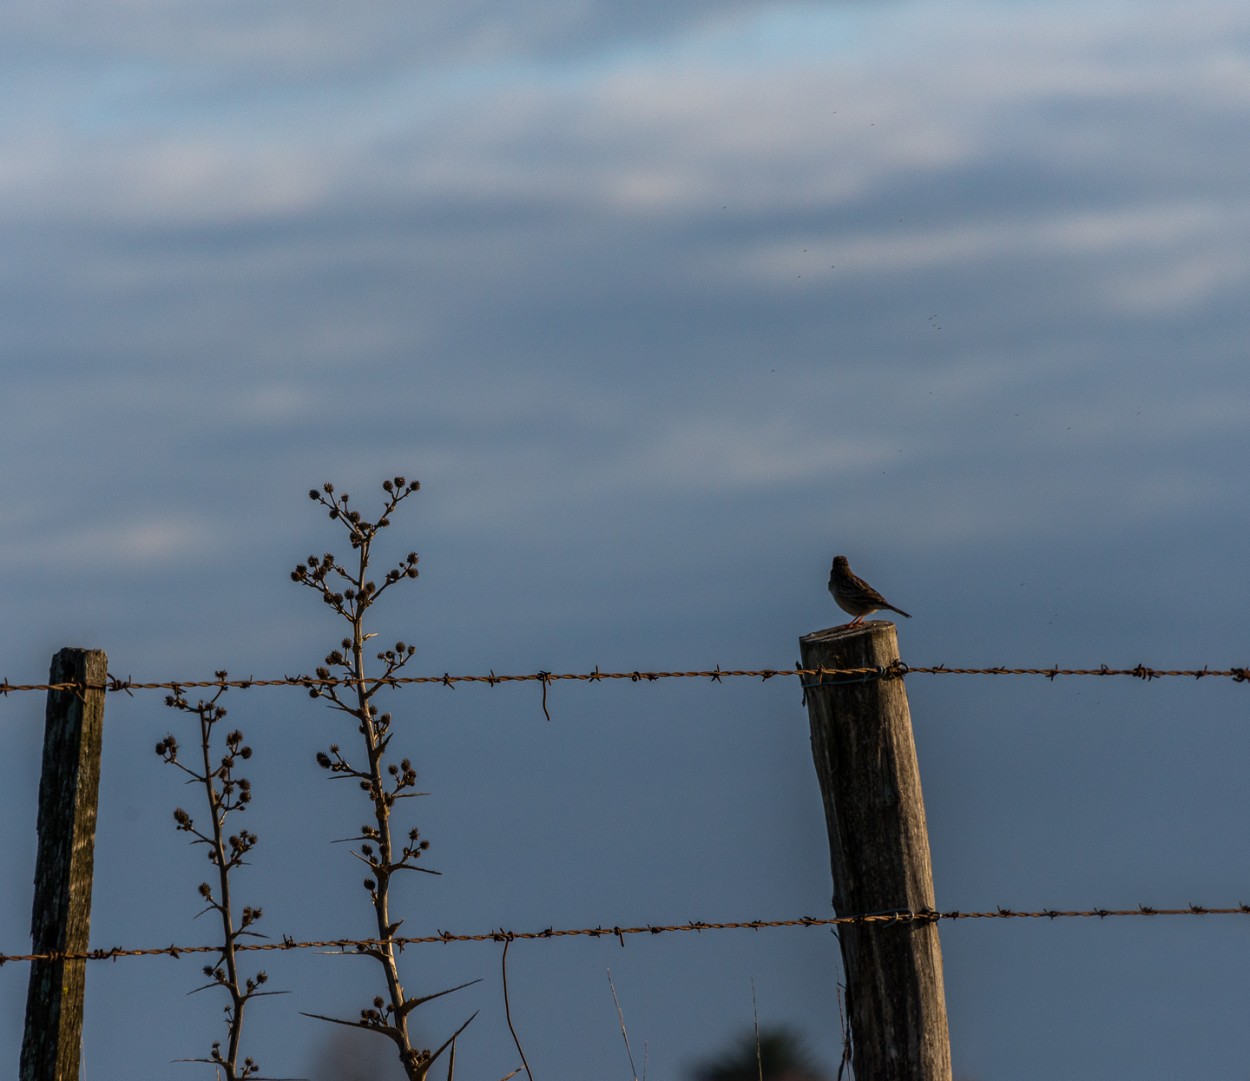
(664, 305)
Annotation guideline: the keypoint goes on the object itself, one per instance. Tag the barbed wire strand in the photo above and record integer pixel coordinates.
(898, 669)
(891, 916)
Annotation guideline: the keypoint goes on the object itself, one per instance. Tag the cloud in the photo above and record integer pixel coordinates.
(120, 544)
(552, 239)
(276, 46)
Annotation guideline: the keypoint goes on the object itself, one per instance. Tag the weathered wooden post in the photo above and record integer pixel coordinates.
(61, 919)
(879, 850)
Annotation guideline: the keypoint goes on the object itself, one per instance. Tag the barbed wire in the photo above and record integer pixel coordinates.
(897, 669)
(890, 916)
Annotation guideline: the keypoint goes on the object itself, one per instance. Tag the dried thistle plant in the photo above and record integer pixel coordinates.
(349, 591)
(225, 792)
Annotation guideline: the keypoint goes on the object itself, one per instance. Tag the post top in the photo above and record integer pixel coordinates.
(847, 631)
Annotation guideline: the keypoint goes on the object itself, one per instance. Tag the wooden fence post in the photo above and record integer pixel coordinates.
(879, 850)
(61, 917)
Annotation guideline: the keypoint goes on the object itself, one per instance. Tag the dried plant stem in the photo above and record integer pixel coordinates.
(755, 1012)
(383, 782)
(238, 1000)
(507, 1012)
(224, 793)
(621, 1017)
(375, 749)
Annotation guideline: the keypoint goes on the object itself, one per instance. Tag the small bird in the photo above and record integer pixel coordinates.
(854, 595)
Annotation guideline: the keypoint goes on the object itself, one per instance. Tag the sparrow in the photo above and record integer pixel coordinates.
(854, 595)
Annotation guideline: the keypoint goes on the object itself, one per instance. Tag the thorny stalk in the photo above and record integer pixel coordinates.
(225, 793)
(349, 592)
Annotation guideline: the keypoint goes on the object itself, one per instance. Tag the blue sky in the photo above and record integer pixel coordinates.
(664, 308)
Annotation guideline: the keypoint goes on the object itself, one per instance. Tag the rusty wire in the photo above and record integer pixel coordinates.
(892, 916)
(897, 669)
